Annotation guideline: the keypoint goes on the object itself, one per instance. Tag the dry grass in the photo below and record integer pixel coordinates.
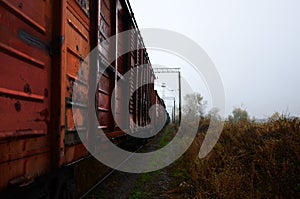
(249, 161)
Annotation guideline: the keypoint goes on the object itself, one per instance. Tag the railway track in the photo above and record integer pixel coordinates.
(126, 182)
(86, 194)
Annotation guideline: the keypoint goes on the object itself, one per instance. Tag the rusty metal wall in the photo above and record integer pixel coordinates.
(106, 22)
(40, 58)
(25, 54)
(133, 80)
(76, 25)
(122, 62)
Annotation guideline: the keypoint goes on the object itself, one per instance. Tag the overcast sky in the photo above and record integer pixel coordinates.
(254, 44)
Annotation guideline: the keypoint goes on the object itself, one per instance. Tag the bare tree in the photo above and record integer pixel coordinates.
(238, 114)
(214, 114)
(194, 105)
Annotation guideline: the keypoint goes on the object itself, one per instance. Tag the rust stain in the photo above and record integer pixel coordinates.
(44, 114)
(27, 89)
(18, 106)
(46, 92)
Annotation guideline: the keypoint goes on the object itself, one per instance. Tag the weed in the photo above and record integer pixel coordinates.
(250, 160)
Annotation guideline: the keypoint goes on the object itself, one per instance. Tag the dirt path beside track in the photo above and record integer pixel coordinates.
(158, 184)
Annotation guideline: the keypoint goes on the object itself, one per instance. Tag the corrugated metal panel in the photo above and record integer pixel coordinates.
(25, 92)
(77, 47)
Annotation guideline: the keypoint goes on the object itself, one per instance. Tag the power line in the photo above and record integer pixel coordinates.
(172, 70)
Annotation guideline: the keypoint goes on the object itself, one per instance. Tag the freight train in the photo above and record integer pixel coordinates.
(42, 45)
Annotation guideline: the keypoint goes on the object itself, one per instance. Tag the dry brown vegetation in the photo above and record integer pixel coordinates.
(250, 160)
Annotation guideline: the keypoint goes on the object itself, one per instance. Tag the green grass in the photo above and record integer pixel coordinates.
(146, 177)
(137, 194)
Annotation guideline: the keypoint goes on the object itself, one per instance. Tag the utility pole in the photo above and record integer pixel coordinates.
(174, 109)
(173, 70)
(179, 84)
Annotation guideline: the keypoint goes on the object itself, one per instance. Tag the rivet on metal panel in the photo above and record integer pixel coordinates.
(20, 5)
(44, 113)
(18, 106)
(46, 92)
(27, 89)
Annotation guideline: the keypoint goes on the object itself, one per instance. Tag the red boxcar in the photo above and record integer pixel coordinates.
(42, 44)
